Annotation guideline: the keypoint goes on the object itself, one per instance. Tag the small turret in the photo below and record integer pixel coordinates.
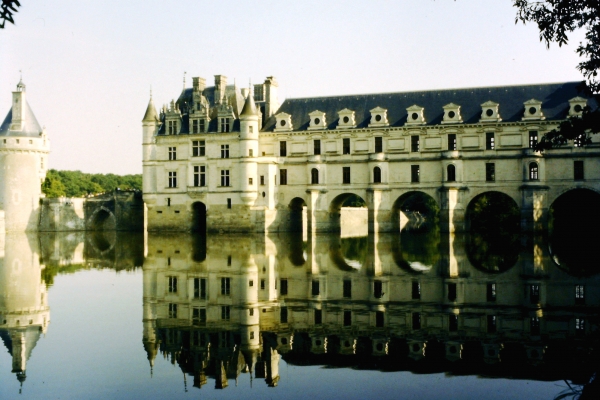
(151, 115)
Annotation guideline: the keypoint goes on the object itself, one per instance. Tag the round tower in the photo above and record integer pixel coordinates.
(248, 151)
(150, 124)
(24, 150)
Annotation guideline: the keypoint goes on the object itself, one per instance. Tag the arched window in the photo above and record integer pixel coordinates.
(451, 173)
(314, 176)
(533, 171)
(376, 175)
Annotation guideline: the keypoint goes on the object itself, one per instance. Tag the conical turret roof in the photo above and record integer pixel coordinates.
(151, 114)
(249, 107)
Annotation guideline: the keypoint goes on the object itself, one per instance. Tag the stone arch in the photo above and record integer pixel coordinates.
(574, 217)
(314, 176)
(298, 216)
(497, 201)
(354, 207)
(451, 173)
(102, 219)
(199, 213)
(376, 175)
(414, 210)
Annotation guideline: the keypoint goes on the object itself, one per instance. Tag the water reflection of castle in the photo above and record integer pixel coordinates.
(226, 305)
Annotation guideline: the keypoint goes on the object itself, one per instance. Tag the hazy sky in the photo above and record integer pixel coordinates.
(89, 65)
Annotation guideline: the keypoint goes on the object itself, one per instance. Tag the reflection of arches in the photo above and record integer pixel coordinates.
(354, 205)
(417, 251)
(349, 254)
(297, 214)
(314, 176)
(102, 220)
(199, 217)
(298, 247)
(495, 252)
(198, 247)
(376, 175)
(493, 212)
(451, 173)
(414, 210)
(573, 223)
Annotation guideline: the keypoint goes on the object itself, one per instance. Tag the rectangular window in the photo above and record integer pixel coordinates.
(225, 312)
(250, 181)
(579, 326)
(224, 177)
(534, 326)
(172, 127)
(251, 129)
(251, 153)
(315, 288)
(534, 293)
(317, 147)
(377, 289)
(224, 151)
(172, 153)
(452, 142)
(262, 180)
(347, 288)
(414, 143)
(414, 173)
(490, 142)
(491, 292)
(578, 170)
(416, 290)
(579, 294)
(346, 146)
(195, 126)
(199, 175)
(283, 176)
(284, 287)
(452, 292)
(202, 125)
(533, 139)
(378, 144)
(452, 322)
(172, 179)
(345, 174)
(224, 124)
(283, 315)
(198, 148)
(379, 319)
(172, 284)
(226, 286)
(229, 207)
(262, 284)
(347, 318)
(200, 288)
(416, 320)
(490, 172)
(198, 316)
(283, 149)
(172, 310)
(491, 323)
(318, 317)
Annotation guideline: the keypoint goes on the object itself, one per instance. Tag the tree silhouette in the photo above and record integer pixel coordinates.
(8, 8)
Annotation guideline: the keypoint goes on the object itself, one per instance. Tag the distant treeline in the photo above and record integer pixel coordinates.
(79, 184)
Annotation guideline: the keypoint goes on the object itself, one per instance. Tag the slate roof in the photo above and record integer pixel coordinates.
(554, 98)
(31, 127)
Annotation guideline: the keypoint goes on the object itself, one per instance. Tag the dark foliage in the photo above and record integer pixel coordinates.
(79, 184)
(7, 10)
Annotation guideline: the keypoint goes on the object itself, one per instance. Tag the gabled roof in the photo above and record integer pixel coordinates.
(31, 128)
(555, 104)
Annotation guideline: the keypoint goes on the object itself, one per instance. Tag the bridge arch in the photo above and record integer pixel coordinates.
(414, 210)
(102, 219)
(297, 215)
(199, 213)
(354, 208)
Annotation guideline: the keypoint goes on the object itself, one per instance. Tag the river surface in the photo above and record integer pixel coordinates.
(413, 315)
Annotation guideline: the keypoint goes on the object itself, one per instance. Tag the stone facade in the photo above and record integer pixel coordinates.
(208, 166)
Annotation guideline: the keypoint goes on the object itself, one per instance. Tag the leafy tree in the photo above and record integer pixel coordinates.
(556, 19)
(7, 9)
(79, 184)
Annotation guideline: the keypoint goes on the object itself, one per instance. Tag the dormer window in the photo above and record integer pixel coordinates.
(576, 106)
(198, 125)
(378, 117)
(172, 127)
(317, 120)
(452, 114)
(283, 122)
(490, 112)
(533, 110)
(224, 125)
(346, 119)
(416, 115)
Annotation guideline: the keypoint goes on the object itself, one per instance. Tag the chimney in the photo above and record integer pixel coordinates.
(199, 84)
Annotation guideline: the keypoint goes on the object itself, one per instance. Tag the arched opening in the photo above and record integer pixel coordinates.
(533, 171)
(415, 211)
(199, 217)
(376, 175)
(451, 173)
(103, 220)
(314, 176)
(298, 215)
(349, 215)
(493, 244)
(573, 223)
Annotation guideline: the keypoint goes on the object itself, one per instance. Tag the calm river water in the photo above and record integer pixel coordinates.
(413, 315)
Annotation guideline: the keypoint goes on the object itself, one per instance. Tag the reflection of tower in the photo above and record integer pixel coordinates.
(24, 312)
(151, 344)
(250, 312)
(23, 161)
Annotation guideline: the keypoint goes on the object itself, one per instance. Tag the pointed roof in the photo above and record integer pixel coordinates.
(151, 114)
(31, 127)
(249, 107)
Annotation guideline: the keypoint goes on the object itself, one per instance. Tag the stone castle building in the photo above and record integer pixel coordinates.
(225, 159)
(24, 149)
